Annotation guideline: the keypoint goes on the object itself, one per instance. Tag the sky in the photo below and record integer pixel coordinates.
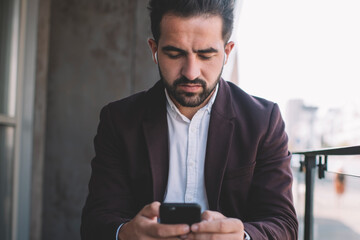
(307, 49)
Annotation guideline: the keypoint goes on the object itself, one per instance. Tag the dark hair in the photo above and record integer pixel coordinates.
(189, 8)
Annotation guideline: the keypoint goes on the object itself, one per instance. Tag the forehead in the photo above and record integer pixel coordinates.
(196, 31)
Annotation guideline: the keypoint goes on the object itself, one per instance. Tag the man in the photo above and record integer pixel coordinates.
(191, 138)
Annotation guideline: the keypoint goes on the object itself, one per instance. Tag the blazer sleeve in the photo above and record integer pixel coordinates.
(271, 214)
(109, 201)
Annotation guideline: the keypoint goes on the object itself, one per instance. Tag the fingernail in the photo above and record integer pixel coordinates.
(186, 229)
(194, 228)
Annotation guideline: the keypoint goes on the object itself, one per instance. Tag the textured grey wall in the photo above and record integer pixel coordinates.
(39, 119)
(97, 53)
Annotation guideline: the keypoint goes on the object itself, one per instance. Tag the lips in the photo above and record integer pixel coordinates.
(190, 87)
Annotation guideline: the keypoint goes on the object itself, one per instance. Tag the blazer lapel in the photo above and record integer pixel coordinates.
(221, 128)
(220, 134)
(156, 137)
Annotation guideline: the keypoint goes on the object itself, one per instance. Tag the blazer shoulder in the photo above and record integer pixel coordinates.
(258, 119)
(243, 102)
(133, 108)
(254, 114)
(128, 104)
(123, 114)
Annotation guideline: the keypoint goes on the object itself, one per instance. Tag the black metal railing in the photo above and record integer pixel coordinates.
(312, 160)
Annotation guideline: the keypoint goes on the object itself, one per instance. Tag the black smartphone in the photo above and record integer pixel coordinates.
(174, 213)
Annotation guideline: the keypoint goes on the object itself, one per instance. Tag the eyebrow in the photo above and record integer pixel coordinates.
(172, 48)
(175, 49)
(207, 50)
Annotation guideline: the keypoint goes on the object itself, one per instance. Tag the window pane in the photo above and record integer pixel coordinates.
(6, 183)
(5, 47)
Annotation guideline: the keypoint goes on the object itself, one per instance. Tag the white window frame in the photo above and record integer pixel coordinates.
(22, 74)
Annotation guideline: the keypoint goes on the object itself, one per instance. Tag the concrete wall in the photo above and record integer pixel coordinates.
(97, 53)
(39, 126)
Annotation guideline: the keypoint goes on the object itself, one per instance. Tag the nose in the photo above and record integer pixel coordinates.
(191, 68)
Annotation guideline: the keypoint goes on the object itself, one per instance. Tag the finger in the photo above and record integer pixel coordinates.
(227, 225)
(211, 215)
(151, 210)
(168, 230)
(185, 236)
(206, 236)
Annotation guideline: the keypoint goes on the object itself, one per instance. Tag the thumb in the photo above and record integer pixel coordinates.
(151, 210)
(211, 215)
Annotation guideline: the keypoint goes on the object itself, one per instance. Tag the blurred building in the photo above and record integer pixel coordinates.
(335, 127)
(301, 123)
(341, 126)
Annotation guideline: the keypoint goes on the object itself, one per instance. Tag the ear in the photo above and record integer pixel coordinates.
(153, 48)
(228, 48)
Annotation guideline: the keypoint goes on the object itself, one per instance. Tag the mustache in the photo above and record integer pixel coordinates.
(185, 80)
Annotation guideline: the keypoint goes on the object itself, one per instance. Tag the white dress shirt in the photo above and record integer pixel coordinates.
(187, 149)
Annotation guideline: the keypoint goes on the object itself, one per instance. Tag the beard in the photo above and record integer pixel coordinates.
(189, 99)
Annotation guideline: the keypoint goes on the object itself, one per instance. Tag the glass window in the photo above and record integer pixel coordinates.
(7, 111)
(6, 88)
(6, 170)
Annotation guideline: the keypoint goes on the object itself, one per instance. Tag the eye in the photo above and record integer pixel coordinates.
(174, 56)
(205, 56)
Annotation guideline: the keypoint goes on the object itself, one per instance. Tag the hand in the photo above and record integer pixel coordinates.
(145, 226)
(217, 226)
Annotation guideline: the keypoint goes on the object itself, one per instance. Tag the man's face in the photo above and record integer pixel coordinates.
(190, 56)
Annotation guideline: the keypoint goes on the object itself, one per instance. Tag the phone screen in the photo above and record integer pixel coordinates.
(175, 213)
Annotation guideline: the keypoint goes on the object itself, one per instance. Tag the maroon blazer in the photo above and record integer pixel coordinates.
(247, 172)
